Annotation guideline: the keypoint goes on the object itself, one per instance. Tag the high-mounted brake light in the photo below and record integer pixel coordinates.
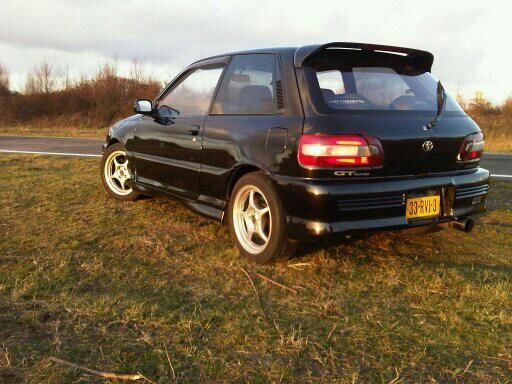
(343, 151)
(472, 148)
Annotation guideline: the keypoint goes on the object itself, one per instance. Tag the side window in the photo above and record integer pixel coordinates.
(331, 83)
(248, 86)
(192, 95)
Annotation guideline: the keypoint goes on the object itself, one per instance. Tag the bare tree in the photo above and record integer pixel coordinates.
(108, 72)
(461, 100)
(137, 70)
(41, 79)
(45, 72)
(67, 81)
(31, 86)
(4, 79)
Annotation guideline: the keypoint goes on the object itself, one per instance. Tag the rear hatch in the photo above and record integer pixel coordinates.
(390, 97)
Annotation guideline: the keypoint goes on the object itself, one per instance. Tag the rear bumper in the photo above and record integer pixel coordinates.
(317, 208)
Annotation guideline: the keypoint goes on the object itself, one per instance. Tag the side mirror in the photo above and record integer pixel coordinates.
(143, 106)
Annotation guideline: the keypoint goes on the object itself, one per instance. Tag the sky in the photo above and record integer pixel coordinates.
(470, 40)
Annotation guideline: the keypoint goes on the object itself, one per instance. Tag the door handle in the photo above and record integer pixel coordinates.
(194, 130)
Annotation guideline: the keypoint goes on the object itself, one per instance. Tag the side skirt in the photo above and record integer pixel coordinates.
(196, 206)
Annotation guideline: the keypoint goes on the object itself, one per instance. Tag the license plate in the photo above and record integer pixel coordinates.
(427, 206)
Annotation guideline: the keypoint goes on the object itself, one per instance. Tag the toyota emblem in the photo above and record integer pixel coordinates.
(427, 146)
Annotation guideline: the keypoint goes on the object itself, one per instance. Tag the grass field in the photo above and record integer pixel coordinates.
(150, 287)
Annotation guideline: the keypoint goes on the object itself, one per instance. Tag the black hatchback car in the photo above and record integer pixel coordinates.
(287, 144)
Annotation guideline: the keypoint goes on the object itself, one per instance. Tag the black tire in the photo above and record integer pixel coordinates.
(278, 245)
(111, 189)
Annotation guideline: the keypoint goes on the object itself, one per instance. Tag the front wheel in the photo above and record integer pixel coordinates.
(257, 220)
(116, 175)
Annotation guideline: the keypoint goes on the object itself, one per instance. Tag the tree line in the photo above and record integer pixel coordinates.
(52, 98)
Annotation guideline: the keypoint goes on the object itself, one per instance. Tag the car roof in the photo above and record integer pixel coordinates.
(274, 50)
(301, 54)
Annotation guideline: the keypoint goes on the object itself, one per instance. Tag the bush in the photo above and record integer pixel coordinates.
(495, 122)
(95, 102)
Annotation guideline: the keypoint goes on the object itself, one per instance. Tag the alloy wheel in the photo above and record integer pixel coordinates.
(252, 219)
(117, 174)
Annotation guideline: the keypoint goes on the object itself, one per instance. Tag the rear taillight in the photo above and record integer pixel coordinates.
(343, 151)
(472, 147)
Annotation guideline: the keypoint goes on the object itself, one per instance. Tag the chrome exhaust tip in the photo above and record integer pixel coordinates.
(464, 225)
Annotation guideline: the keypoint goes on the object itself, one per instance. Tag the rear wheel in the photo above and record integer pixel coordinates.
(116, 175)
(257, 220)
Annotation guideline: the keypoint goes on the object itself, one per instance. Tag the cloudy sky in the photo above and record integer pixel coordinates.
(470, 40)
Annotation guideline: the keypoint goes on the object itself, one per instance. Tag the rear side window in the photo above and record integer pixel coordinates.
(192, 95)
(331, 83)
(248, 86)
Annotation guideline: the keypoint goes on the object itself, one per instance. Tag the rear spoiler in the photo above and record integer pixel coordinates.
(424, 59)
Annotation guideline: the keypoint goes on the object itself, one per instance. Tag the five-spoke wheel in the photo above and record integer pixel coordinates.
(252, 219)
(257, 219)
(116, 175)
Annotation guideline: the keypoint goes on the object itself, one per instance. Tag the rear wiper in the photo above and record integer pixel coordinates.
(441, 101)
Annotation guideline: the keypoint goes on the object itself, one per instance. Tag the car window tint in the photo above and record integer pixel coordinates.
(248, 86)
(192, 95)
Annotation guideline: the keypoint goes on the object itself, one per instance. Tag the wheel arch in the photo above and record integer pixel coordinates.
(112, 141)
(236, 174)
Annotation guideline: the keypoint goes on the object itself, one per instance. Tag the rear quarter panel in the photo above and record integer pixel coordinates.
(232, 142)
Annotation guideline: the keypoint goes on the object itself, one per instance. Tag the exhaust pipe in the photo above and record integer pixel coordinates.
(465, 225)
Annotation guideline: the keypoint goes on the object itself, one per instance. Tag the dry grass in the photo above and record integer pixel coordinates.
(498, 143)
(498, 133)
(45, 131)
(496, 123)
(150, 287)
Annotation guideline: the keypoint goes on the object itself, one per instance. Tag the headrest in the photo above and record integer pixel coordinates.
(327, 93)
(256, 99)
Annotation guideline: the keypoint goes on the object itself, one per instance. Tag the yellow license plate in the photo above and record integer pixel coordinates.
(427, 206)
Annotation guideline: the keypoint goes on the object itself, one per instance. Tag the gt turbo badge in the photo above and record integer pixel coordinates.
(351, 173)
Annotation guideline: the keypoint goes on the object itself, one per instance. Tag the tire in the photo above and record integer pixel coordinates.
(250, 222)
(115, 174)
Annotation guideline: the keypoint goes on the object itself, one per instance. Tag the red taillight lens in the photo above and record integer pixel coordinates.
(339, 151)
(472, 147)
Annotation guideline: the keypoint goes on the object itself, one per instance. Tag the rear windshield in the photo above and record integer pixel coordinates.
(355, 80)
